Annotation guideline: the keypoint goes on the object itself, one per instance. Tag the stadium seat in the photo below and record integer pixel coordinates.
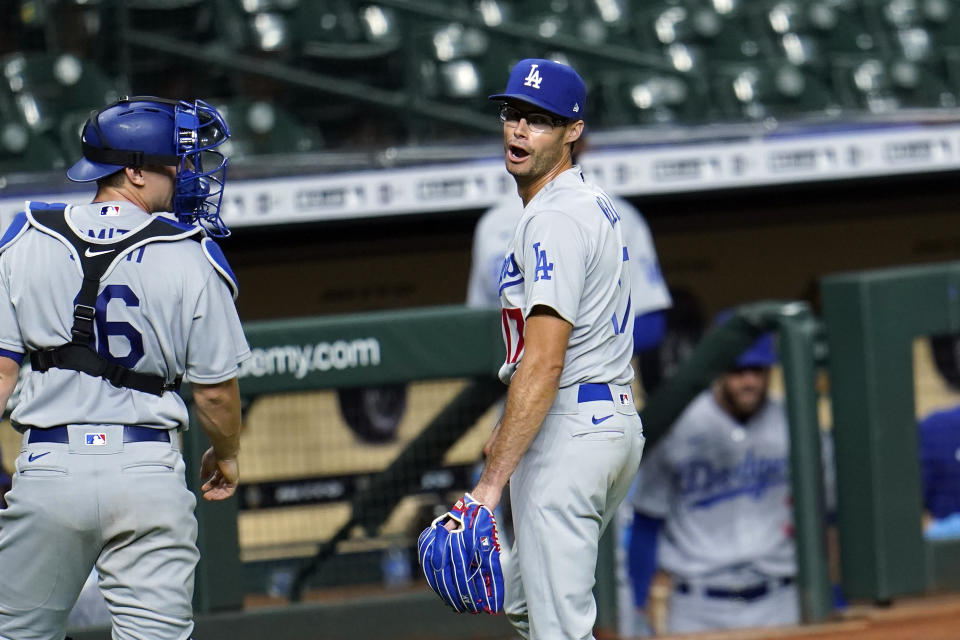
(260, 128)
(69, 131)
(339, 29)
(883, 85)
(582, 21)
(153, 73)
(919, 30)
(492, 12)
(256, 26)
(711, 31)
(777, 90)
(449, 61)
(463, 64)
(836, 26)
(24, 150)
(649, 98)
(44, 87)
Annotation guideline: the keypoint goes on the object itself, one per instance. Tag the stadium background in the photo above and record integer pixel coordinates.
(768, 144)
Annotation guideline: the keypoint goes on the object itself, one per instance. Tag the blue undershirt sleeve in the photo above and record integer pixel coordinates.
(648, 330)
(643, 555)
(13, 355)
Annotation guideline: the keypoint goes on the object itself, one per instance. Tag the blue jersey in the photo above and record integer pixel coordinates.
(940, 461)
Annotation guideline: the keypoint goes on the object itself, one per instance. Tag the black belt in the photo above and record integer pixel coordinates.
(746, 593)
(130, 434)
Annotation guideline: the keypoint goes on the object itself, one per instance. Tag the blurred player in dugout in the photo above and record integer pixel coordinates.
(939, 434)
(713, 507)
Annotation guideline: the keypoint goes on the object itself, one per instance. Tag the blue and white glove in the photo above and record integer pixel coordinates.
(463, 566)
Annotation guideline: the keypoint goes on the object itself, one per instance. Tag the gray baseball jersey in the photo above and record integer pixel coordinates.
(497, 225)
(100, 478)
(723, 491)
(568, 253)
(165, 309)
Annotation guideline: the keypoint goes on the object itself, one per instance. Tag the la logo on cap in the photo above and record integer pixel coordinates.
(533, 78)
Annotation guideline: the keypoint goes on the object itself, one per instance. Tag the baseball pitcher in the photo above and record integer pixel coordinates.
(570, 438)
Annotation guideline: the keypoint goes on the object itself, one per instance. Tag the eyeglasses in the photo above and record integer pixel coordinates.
(538, 122)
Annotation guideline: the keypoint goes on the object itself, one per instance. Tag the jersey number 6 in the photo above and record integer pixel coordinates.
(106, 328)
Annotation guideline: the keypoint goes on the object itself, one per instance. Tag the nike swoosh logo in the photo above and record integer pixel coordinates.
(34, 456)
(597, 420)
(91, 254)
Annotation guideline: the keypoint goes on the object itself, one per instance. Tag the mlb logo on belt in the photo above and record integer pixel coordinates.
(95, 439)
(624, 399)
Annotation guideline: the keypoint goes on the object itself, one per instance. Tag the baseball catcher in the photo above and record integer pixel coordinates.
(462, 564)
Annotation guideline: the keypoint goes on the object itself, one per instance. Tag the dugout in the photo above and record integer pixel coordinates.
(872, 319)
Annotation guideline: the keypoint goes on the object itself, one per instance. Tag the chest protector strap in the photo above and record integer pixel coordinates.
(95, 260)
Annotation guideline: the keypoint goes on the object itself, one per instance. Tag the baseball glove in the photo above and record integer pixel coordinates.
(463, 566)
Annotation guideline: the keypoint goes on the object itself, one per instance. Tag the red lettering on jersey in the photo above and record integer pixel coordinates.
(513, 333)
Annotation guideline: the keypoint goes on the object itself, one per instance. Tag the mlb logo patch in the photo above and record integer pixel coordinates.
(624, 399)
(484, 543)
(110, 210)
(95, 439)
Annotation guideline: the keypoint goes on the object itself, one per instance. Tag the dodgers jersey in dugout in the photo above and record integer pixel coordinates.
(495, 229)
(723, 490)
(568, 253)
(165, 309)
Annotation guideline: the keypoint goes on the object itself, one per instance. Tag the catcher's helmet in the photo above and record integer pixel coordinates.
(141, 130)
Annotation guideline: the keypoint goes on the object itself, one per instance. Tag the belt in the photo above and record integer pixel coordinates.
(593, 391)
(130, 434)
(746, 593)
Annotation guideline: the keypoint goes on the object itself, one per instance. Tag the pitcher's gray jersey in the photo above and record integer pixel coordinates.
(496, 227)
(568, 253)
(723, 490)
(162, 310)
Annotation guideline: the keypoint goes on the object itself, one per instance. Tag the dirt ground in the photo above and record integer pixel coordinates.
(934, 617)
(929, 618)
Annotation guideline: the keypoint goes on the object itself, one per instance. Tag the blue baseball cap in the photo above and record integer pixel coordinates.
(549, 85)
(762, 353)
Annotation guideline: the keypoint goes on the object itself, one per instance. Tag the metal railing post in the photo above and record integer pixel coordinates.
(797, 332)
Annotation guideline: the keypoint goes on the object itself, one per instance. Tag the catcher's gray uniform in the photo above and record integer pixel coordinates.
(113, 491)
(568, 253)
(723, 491)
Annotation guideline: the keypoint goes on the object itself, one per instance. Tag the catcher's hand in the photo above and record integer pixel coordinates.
(463, 566)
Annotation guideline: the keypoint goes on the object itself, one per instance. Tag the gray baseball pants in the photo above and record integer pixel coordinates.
(564, 493)
(97, 500)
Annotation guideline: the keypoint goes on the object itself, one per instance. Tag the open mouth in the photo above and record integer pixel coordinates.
(516, 153)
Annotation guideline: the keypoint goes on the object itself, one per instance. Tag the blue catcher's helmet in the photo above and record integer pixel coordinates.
(141, 130)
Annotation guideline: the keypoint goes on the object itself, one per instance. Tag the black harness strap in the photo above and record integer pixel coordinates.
(95, 259)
